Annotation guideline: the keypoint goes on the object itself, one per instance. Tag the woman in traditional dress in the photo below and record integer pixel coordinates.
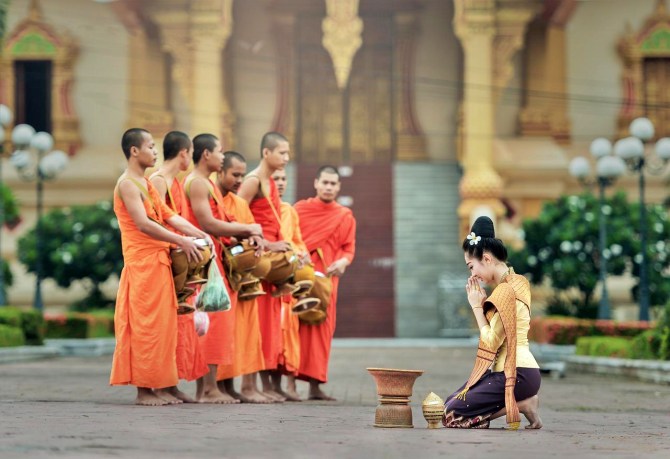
(506, 378)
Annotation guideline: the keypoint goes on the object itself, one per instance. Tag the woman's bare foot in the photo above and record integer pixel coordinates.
(253, 396)
(215, 396)
(167, 396)
(531, 410)
(146, 397)
(174, 391)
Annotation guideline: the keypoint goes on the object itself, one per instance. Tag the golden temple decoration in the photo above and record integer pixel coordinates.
(33, 39)
(195, 38)
(646, 61)
(509, 38)
(342, 36)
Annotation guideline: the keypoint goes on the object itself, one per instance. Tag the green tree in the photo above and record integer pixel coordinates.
(562, 245)
(4, 5)
(79, 243)
(10, 217)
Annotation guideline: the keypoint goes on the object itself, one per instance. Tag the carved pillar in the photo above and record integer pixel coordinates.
(149, 91)
(511, 26)
(283, 27)
(545, 110)
(481, 186)
(410, 141)
(196, 38)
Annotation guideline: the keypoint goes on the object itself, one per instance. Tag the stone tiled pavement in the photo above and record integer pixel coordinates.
(64, 408)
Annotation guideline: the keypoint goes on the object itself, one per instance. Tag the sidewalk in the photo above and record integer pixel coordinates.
(64, 408)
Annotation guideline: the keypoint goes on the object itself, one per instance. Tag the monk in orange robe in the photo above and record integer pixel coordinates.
(248, 348)
(177, 157)
(330, 227)
(145, 319)
(260, 191)
(204, 207)
(289, 361)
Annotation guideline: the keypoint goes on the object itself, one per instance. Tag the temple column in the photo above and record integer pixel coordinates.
(411, 143)
(545, 111)
(195, 39)
(480, 186)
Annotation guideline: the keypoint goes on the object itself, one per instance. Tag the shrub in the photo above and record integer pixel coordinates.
(604, 346)
(30, 322)
(80, 325)
(646, 345)
(566, 330)
(11, 336)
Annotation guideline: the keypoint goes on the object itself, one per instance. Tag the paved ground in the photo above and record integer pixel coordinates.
(64, 408)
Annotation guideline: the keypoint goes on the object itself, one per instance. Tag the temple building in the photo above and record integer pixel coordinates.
(436, 112)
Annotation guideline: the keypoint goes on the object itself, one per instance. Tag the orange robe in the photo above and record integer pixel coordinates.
(191, 363)
(332, 228)
(248, 347)
(218, 344)
(290, 324)
(145, 319)
(269, 308)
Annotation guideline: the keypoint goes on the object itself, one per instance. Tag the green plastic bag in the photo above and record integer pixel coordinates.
(214, 296)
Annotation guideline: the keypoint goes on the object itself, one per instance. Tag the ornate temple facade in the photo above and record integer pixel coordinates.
(437, 111)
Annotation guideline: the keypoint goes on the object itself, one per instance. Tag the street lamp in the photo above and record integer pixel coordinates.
(33, 162)
(608, 169)
(5, 120)
(631, 150)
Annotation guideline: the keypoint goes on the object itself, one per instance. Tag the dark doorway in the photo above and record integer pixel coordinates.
(33, 94)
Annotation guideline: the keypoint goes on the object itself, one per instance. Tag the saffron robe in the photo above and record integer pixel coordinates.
(290, 324)
(269, 308)
(248, 347)
(145, 318)
(191, 363)
(218, 344)
(331, 228)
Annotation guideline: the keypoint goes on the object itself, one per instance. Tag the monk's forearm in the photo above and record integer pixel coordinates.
(156, 231)
(227, 229)
(184, 226)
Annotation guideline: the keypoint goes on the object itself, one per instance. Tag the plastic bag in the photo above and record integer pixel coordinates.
(214, 296)
(201, 322)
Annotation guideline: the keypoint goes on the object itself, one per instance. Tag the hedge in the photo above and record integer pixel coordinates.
(566, 330)
(30, 321)
(11, 336)
(80, 325)
(604, 346)
(649, 345)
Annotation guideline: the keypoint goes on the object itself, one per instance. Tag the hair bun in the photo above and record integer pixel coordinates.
(483, 227)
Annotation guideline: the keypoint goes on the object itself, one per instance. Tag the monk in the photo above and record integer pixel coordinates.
(145, 319)
(248, 347)
(289, 361)
(177, 157)
(260, 191)
(330, 227)
(204, 205)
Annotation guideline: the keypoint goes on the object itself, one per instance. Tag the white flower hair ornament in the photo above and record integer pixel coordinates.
(473, 238)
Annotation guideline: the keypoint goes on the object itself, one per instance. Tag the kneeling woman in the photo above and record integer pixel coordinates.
(512, 384)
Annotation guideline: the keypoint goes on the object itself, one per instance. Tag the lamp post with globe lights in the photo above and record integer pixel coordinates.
(5, 120)
(608, 169)
(632, 151)
(34, 160)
